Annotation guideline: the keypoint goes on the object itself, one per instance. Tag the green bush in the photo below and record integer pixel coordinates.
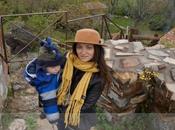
(157, 22)
(126, 7)
(37, 23)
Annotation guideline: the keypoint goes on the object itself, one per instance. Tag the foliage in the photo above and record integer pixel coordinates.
(75, 11)
(157, 7)
(157, 22)
(7, 118)
(129, 122)
(31, 122)
(148, 74)
(3, 7)
(168, 44)
(145, 30)
(135, 9)
(122, 21)
(125, 7)
(38, 23)
(102, 121)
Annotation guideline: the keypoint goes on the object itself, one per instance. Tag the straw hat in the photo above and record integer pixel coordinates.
(89, 36)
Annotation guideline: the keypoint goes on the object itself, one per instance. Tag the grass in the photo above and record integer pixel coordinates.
(7, 119)
(31, 122)
(143, 27)
(168, 44)
(139, 122)
(122, 21)
(130, 122)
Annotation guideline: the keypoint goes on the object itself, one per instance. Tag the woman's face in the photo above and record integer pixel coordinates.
(85, 52)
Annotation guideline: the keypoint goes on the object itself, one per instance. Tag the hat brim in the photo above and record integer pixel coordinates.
(99, 44)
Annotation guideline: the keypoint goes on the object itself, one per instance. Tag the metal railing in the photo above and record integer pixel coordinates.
(104, 21)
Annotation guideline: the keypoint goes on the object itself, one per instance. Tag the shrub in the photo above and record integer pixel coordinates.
(37, 22)
(157, 22)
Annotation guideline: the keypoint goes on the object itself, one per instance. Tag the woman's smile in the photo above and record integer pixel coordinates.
(85, 52)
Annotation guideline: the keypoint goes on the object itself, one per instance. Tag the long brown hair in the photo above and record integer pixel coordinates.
(99, 59)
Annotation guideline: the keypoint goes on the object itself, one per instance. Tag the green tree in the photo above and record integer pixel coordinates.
(3, 7)
(37, 23)
(113, 6)
(140, 5)
(171, 15)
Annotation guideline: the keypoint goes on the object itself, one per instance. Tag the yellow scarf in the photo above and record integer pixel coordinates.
(72, 114)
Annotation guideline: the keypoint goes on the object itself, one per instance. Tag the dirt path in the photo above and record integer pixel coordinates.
(44, 125)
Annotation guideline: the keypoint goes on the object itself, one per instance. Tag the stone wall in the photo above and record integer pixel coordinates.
(3, 76)
(3, 88)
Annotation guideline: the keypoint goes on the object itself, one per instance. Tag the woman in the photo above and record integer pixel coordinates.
(84, 76)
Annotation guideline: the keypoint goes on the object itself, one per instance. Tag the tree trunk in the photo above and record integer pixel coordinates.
(140, 6)
(113, 6)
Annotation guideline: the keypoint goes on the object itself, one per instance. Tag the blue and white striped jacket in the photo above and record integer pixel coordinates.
(46, 85)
